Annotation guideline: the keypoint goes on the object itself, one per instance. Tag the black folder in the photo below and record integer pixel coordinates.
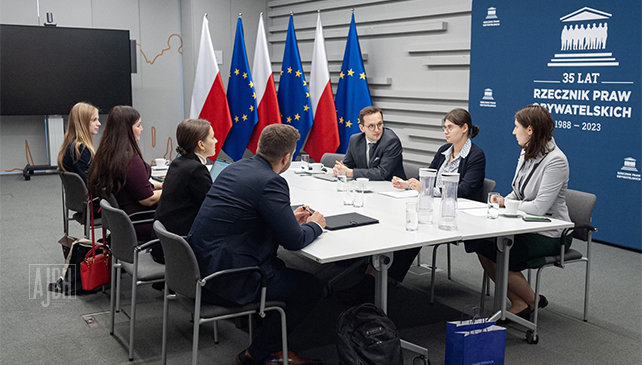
(347, 220)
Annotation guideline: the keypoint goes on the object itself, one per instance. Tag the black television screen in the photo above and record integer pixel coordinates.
(46, 70)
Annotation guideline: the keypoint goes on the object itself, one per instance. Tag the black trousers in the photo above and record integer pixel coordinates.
(298, 289)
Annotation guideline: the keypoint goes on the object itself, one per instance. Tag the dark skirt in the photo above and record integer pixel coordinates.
(528, 250)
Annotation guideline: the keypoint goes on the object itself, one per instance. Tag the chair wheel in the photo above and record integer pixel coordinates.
(531, 337)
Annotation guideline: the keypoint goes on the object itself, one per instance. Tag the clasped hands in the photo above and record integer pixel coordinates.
(341, 169)
(303, 214)
(403, 184)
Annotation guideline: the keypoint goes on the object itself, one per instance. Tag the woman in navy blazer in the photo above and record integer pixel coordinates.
(188, 180)
(463, 157)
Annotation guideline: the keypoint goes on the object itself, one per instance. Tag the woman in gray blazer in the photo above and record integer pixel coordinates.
(540, 184)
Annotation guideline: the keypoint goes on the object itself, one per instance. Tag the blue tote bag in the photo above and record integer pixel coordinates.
(478, 346)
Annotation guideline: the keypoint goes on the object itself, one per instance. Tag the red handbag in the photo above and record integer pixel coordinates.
(95, 271)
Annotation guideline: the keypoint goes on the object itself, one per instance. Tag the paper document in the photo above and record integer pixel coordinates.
(400, 193)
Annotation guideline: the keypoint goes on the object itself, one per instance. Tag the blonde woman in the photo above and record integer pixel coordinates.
(77, 150)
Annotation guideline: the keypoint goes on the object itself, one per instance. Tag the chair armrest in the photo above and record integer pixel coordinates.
(144, 214)
(143, 221)
(242, 270)
(146, 245)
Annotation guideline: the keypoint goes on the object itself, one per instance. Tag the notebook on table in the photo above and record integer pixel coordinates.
(347, 220)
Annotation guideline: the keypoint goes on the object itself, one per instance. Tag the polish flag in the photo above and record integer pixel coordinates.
(266, 100)
(324, 136)
(208, 97)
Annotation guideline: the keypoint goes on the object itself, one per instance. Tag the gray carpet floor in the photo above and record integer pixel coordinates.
(38, 327)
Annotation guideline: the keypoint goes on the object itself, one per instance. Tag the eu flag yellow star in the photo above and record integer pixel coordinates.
(350, 72)
(307, 95)
(341, 74)
(251, 108)
(348, 124)
(244, 117)
(236, 119)
(362, 76)
(297, 116)
(341, 120)
(281, 72)
(306, 108)
(254, 95)
(245, 75)
(289, 120)
(289, 70)
(298, 73)
(305, 83)
(236, 72)
(251, 84)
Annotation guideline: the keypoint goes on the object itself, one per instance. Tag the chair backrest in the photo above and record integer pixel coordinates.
(75, 191)
(489, 186)
(412, 168)
(111, 198)
(580, 209)
(123, 234)
(328, 159)
(181, 267)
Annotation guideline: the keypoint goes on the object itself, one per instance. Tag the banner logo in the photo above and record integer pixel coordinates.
(583, 39)
(488, 100)
(629, 167)
(491, 18)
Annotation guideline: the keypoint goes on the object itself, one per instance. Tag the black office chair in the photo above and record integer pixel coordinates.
(182, 275)
(75, 201)
(131, 257)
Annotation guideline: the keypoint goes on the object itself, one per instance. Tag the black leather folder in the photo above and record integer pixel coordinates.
(347, 220)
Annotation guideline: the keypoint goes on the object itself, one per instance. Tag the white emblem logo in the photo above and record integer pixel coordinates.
(488, 100)
(588, 31)
(629, 171)
(491, 18)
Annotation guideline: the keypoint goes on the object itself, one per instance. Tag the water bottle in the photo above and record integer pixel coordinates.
(425, 204)
(448, 213)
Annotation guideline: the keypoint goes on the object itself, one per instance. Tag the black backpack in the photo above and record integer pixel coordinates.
(366, 336)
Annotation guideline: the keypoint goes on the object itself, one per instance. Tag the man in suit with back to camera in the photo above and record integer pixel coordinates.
(244, 218)
(376, 153)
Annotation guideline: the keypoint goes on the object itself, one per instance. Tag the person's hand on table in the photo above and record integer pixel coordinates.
(413, 184)
(318, 218)
(399, 183)
(302, 214)
(341, 169)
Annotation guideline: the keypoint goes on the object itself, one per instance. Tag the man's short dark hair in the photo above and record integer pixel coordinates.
(367, 111)
(276, 140)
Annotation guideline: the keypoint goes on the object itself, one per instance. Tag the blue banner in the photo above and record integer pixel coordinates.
(580, 59)
(241, 99)
(293, 95)
(352, 90)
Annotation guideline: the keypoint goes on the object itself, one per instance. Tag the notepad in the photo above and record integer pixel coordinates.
(347, 220)
(400, 193)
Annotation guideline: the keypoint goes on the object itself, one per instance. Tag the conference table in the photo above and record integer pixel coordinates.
(379, 241)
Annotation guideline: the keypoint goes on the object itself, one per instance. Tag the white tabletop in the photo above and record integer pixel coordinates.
(390, 234)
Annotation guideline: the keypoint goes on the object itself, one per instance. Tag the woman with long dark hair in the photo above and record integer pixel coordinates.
(119, 168)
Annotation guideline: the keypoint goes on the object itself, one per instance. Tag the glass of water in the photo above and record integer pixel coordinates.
(348, 193)
(493, 205)
(305, 161)
(412, 220)
(359, 191)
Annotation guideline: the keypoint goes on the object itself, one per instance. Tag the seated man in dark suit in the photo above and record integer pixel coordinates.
(376, 153)
(244, 218)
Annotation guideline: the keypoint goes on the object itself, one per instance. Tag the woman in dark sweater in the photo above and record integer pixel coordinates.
(188, 179)
(77, 148)
(119, 168)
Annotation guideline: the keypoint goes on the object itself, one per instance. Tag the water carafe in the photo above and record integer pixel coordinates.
(425, 203)
(448, 212)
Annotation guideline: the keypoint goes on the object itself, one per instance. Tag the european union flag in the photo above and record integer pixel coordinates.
(241, 99)
(352, 90)
(294, 98)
